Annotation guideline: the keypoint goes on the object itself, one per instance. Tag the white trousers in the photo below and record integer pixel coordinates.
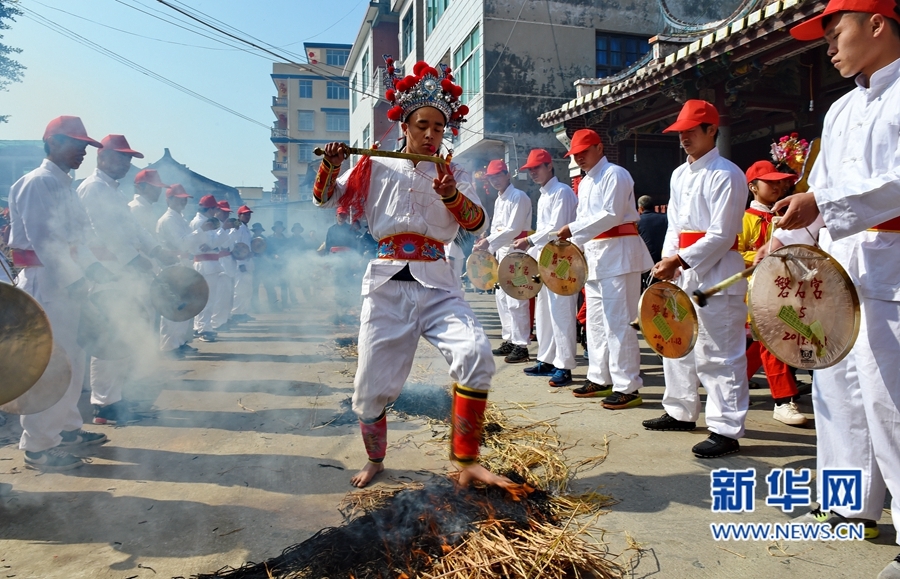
(224, 300)
(203, 320)
(107, 377)
(173, 335)
(515, 319)
(857, 407)
(393, 318)
(41, 430)
(614, 355)
(243, 291)
(719, 362)
(554, 318)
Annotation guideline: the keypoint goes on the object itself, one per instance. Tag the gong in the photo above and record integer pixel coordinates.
(48, 390)
(26, 342)
(179, 293)
(241, 251)
(668, 320)
(482, 270)
(562, 267)
(258, 245)
(518, 273)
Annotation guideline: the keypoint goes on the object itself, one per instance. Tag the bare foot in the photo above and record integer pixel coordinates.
(476, 472)
(365, 476)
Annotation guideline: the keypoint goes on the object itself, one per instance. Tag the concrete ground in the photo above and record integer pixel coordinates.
(248, 448)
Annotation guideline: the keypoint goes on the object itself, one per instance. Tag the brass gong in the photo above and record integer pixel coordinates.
(518, 273)
(26, 342)
(483, 270)
(179, 293)
(258, 245)
(48, 390)
(562, 267)
(668, 320)
(241, 251)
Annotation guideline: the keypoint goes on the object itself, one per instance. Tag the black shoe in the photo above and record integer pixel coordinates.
(715, 446)
(517, 355)
(592, 390)
(620, 401)
(52, 460)
(666, 422)
(116, 413)
(540, 369)
(188, 349)
(81, 437)
(503, 349)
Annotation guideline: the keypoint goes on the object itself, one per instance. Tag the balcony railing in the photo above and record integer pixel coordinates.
(279, 166)
(276, 133)
(279, 101)
(279, 196)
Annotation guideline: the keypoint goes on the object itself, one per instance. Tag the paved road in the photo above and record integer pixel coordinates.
(248, 448)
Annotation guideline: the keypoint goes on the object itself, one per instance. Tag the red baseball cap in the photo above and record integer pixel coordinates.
(71, 127)
(150, 177)
(177, 190)
(536, 158)
(766, 171)
(244, 209)
(582, 140)
(813, 29)
(208, 202)
(496, 167)
(694, 113)
(118, 144)
(341, 210)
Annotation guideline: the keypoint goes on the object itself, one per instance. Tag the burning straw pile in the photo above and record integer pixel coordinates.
(437, 530)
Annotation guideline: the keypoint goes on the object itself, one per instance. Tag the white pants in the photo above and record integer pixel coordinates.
(719, 362)
(203, 320)
(614, 355)
(857, 407)
(515, 319)
(41, 430)
(173, 335)
(393, 318)
(107, 377)
(243, 291)
(224, 300)
(554, 316)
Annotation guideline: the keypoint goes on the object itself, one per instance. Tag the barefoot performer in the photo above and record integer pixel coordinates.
(409, 290)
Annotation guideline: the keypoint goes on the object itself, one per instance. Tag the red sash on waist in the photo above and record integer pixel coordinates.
(689, 238)
(339, 249)
(206, 257)
(623, 230)
(410, 247)
(890, 226)
(103, 254)
(522, 235)
(224, 253)
(25, 258)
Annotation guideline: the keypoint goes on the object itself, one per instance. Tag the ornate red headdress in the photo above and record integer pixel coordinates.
(426, 87)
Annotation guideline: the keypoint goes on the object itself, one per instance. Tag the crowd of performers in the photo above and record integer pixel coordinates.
(415, 206)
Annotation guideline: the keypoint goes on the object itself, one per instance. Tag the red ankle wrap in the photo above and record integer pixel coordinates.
(466, 423)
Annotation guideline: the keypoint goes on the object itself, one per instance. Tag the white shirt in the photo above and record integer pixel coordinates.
(227, 239)
(556, 208)
(142, 211)
(606, 200)
(707, 195)
(512, 216)
(402, 199)
(176, 235)
(47, 218)
(112, 222)
(243, 235)
(212, 239)
(856, 182)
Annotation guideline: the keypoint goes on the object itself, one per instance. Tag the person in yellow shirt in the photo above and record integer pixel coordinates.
(768, 185)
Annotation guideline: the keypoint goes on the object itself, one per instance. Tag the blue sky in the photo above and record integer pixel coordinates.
(65, 77)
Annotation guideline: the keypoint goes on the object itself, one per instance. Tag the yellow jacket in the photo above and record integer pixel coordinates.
(757, 218)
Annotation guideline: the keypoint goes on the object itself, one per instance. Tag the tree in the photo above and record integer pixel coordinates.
(10, 70)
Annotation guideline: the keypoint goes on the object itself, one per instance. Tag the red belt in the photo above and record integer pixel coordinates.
(629, 228)
(891, 226)
(224, 253)
(339, 249)
(689, 238)
(206, 257)
(522, 235)
(103, 254)
(25, 258)
(410, 247)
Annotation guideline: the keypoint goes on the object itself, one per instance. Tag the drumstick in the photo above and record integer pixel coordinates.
(700, 297)
(318, 151)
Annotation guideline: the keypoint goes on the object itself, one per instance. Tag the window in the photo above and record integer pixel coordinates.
(365, 136)
(467, 65)
(306, 89)
(336, 56)
(337, 91)
(305, 153)
(337, 122)
(407, 34)
(615, 52)
(354, 96)
(364, 72)
(434, 9)
(306, 120)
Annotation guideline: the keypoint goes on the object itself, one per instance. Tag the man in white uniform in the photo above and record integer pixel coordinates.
(414, 209)
(225, 294)
(177, 236)
(243, 279)
(120, 241)
(147, 189)
(511, 221)
(207, 263)
(49, 231)
(706, 208)
(554, 315)
(606, 227)
(855, 190)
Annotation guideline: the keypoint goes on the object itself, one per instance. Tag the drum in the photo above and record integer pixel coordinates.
(258, 245)
(668, 320)
(240, 251)
(518, 274)
(48, 390)
(26, 342)
(179, 293)
(482, 270)
(803, 307)
(562, 267)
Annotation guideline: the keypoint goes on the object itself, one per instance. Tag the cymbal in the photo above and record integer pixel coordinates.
(179, 293)
(48, 390)
(258, 245)
(240, 251)
(519, 277)
(26, 342)
(562, 267)
(482, 269)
